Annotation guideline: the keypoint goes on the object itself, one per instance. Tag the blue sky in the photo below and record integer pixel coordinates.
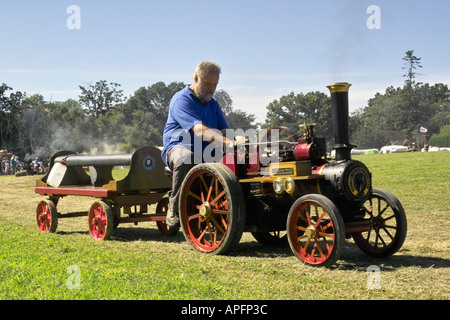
(266, 48)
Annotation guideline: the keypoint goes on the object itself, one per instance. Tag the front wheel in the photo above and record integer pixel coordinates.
(316, 230)
(212, 208)
(387, 230)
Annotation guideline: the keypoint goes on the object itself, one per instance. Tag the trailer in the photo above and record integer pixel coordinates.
(116, 202)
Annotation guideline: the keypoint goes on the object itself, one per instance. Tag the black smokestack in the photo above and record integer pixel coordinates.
(339, 110)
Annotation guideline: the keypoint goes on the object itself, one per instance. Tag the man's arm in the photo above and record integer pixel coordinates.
(208, 134)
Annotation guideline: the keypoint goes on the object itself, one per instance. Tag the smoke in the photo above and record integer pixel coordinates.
(350, 48)
(105, 148)
(70, 139)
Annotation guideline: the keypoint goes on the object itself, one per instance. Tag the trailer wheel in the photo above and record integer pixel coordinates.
(47, 216)
(101, 221)
(387, 225)
(316, 230)
(161, 208)
(212, 208)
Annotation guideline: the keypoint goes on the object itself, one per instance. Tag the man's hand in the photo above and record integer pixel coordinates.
(229, 144)
(240, 140)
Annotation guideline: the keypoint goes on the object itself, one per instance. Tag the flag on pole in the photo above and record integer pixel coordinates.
(423, 130)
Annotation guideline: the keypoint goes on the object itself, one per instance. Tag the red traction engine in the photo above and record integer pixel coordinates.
(303, 199)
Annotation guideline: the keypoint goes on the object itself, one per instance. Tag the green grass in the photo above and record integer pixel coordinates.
(140, 263)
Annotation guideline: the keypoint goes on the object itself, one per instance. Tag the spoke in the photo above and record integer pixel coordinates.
(306, 244)
(317, 245)
(380, 210)
(376, 238)
(215, 237)
(210, 233)
(388, 234)
(323, 234)
(199, 239)
(302, 217)
(320, 218)
(384, 210)
(219, 211)
(308, 218)
(224, 204)
(193, 195)
(328, 246)
(328, 225)
(217, 198)
(195, 216)
(389, 218)
(368, 234)
(316, 211)
(216, 186)
(224, 222)
(210, 189)
(370, 209)
(204, 183)
(217, 225)
(381, 238)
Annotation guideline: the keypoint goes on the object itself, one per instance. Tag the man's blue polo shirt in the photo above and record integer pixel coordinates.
(185, 111)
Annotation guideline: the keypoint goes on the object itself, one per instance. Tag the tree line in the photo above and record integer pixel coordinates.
(416, 112)
(103, 120)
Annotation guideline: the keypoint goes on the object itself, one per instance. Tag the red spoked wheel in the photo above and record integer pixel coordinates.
(212, 208)
(387, 225)
(47, 216)
(316, 230)
(101, 220)
(161, 209)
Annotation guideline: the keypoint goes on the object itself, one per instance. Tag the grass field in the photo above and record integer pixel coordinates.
(140, 263)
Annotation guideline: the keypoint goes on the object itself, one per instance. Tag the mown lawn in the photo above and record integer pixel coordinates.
(140, 263)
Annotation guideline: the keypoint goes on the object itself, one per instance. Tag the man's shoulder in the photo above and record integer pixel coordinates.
(186, 91)
(182, 95)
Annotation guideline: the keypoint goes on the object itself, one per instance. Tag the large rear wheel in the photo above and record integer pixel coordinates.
(212, 208)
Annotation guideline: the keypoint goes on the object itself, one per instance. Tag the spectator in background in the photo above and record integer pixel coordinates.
(6, 167)
(13, 163)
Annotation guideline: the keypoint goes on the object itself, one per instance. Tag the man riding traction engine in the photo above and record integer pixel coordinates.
(298, 197)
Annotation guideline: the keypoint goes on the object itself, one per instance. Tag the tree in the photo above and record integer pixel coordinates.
(35, 129)
(442, 139)
(5, 116)
(11, 109)
(398, 114)
(410, 65)
(100, 97)
(293, 110)
(145, 114)
(239, 119)
(225, 101)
